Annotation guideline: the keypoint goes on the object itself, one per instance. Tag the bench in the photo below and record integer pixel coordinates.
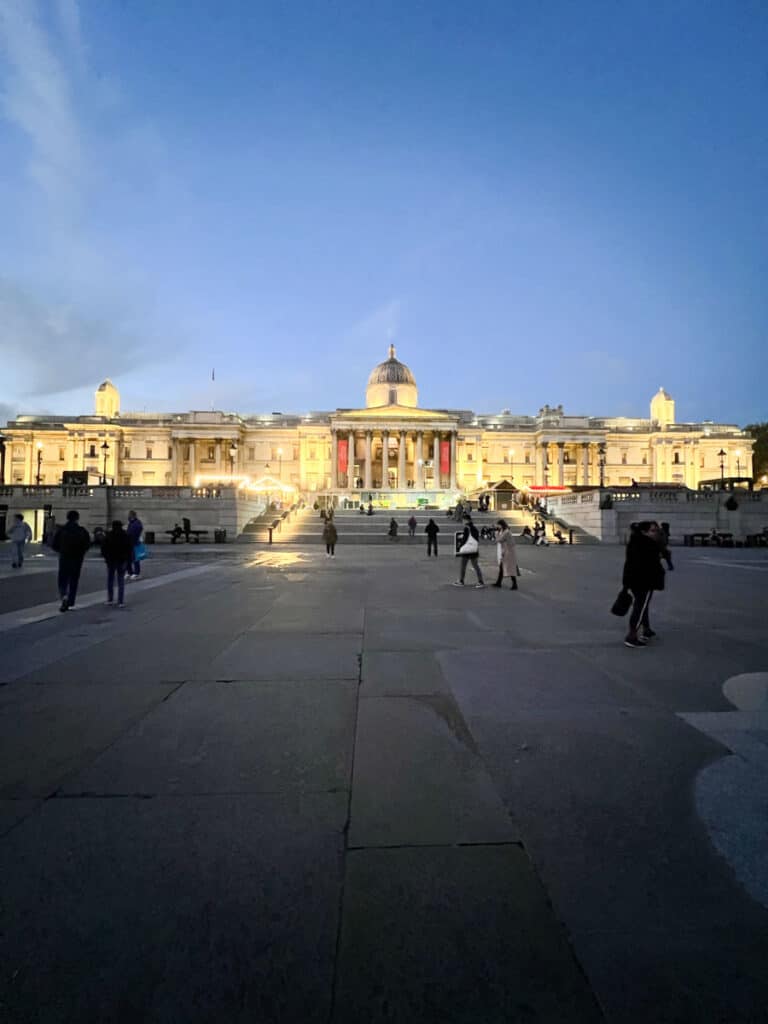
(758, 540)
(186, 532)
(724, 540)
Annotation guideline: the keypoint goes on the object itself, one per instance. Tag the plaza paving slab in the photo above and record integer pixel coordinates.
(297, 788)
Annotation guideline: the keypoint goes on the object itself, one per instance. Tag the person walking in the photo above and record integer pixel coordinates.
(412, 524)
(19, 535)
(468, 551)
(71, 543)
(431, 530)
(506, 553)
(392, 532)
(330, 536)
(116, 551)
(643, 573)
(134, 529)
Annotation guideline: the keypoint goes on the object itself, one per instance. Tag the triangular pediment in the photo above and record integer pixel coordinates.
(392, 413)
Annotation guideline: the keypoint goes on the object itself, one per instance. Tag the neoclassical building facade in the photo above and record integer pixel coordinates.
(391, 447)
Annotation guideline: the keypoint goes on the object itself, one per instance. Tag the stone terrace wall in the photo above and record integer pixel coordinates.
(685, 511)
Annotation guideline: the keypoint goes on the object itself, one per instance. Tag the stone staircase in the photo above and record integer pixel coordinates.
(306, 527)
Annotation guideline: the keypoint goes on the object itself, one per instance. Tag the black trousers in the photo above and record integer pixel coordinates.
(69, 577)
(639, 614)
(330, 549)
(431, 543)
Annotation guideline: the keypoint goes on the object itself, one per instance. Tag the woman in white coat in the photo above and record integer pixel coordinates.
(507, 554)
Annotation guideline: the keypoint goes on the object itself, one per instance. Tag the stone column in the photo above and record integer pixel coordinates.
(385, 459)
(401, 461)
(436, 461)
(560, 463)
(192, 461)
(334, 460)
(420, 460)
(545, 464)
(174, 463)
(218, 456)
(454, 483)
(351, 459)
(368, 460)
(585, 464)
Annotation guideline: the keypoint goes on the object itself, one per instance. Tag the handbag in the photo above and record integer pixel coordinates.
(623, 602)
(140, 552)
(470, 546)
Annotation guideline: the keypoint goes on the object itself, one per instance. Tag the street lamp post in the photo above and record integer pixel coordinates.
(232, 457)
(3, 439)
(721, 456)
(601, 462)
(39, 461)
(738, 463)
(104, 452)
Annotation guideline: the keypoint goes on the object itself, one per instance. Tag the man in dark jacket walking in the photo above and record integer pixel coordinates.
(116, 550)
(71, 542)
(642, 575)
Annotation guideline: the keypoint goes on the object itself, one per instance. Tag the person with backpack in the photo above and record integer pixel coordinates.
(469, 550)
(116, 550)
(134, 529)
(71, 543)
(412, 524)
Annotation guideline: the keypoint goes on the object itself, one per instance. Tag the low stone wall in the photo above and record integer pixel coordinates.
(159, 508)
(685, 511)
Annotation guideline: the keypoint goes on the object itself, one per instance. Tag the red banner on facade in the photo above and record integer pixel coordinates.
(343, 454)
(445, 458)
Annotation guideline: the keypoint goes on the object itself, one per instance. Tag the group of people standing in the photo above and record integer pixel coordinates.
(120, 548)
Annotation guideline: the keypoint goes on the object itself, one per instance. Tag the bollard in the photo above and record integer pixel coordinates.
(269, 528)
(570, 536)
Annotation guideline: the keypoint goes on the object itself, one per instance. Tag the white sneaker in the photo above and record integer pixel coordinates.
(479, 586)
(458, 583)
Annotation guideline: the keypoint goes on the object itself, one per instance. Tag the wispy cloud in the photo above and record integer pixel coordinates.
(74, 317)
(379, 325)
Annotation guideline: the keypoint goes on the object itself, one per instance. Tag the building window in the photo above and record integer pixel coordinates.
(126, 452)
(645, 460)
(211, 453)
(61, 454)
(527, 459)
(566, 457)
(186, 453)
(701, 462)
(251, 454)
(470, 457)
(295, 453)
(676, 458)
(170, 452)
(623, 458)
(91, 451)
(149, 453)
(393, 396)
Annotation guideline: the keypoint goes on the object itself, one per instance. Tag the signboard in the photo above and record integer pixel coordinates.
(445, 457)
(75, 477)
(343, 444)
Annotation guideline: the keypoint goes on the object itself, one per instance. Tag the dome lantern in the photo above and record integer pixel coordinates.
(391, 383)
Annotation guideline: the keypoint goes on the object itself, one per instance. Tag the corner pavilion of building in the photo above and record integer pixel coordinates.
(393, 450)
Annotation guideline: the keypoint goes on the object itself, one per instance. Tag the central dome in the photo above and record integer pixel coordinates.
(391, 383)
(391, 371)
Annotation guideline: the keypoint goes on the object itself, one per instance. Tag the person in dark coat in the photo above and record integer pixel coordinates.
(643, 573)
(116, 550)
(431, 530)
(134, 529)
(412, 524)
(392, 532)
(330, 536)
(71, 543)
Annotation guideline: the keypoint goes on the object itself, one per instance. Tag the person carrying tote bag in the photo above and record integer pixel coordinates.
(468, 552)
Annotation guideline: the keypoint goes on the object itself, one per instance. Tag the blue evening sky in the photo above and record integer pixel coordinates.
(538, 202)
